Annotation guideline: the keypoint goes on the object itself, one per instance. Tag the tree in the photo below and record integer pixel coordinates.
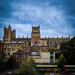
(52, 49)
(10, 62)
(32, 62)
(68, 50)
(61, 61)
(27, 69)
(2, 63)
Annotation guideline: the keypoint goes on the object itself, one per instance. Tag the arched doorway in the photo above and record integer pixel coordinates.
(35, 43)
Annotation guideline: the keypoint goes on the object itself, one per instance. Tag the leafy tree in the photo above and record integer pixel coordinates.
(32, 62)
(2, 63)
(10, 62)
(52, 49)
(61, 61)
(68, 50)
(27, 69)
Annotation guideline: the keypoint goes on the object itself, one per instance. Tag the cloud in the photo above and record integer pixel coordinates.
(51, 16)
(57, 32)
(56, 17)
(22, 29)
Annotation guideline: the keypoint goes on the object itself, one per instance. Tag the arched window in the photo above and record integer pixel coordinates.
(51, 42)
(25, 43)
(35, 43)
(29, 43)
(47, 43)
(42, 43)
(55, 42)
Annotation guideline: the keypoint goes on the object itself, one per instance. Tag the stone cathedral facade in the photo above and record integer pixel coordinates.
(11, 44)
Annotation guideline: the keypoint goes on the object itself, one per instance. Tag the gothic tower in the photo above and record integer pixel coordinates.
(8, 34)
(35, 35)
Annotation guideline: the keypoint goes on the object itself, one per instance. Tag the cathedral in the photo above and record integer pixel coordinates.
(12, 45)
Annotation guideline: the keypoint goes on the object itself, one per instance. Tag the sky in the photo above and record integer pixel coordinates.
(55, 17)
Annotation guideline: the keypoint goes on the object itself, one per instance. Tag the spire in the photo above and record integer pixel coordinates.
(62, 36)
(32, 27)
(69, 36)
(14, 30)
(57, 36)
(9, 26)
(27, 36)
(18, 36)
(39, 26)
(23, 36)
(4, 26)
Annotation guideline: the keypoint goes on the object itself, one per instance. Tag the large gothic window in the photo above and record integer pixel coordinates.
(35, 43)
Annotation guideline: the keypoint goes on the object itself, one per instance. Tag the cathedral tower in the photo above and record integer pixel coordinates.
(35, 35)
(35, 32)
(8, 34)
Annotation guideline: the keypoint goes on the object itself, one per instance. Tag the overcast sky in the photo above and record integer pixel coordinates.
(55, 17)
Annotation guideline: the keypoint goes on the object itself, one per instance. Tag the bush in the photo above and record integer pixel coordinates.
(61, 61)
(27, 68)
(2, 63)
